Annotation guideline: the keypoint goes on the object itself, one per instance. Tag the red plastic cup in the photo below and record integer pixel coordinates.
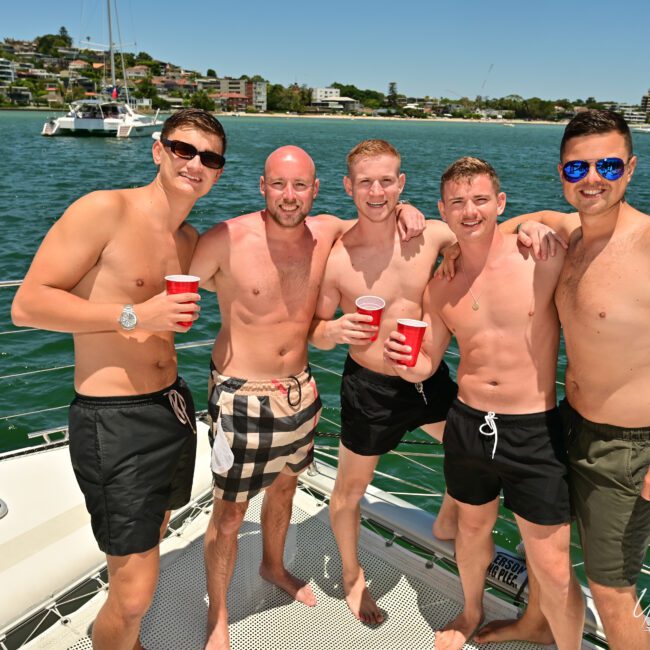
(183, 284)
(413, 330)
(371, 306)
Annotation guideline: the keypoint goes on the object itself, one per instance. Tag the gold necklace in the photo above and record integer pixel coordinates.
(475, 304)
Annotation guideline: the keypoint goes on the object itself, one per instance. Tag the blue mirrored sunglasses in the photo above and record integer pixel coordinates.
(611, 169)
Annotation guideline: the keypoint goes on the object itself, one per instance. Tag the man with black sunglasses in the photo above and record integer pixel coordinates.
(132, 425)
(266, 268)
(603, 301)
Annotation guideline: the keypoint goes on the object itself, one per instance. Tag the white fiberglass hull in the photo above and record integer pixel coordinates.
(107, 127)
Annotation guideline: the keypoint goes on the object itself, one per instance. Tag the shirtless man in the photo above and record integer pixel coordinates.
(266, 268)
(377, 406)
(92, 277)
(504, 430)
(604, 305)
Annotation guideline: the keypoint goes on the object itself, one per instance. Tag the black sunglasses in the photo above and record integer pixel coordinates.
(187, 151)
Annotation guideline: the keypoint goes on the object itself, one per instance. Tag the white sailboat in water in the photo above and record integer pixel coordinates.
(108, 116)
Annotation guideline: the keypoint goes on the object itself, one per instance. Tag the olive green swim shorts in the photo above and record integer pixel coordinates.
(607, 467)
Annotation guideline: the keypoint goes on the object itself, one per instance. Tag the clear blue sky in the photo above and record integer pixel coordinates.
(548, 49)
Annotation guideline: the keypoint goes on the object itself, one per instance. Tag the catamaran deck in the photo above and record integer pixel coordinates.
(417, 595)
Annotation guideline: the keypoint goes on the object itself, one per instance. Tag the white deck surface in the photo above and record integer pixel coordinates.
(416, 599)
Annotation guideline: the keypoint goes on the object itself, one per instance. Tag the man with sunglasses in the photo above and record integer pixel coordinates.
(132, 431)
(266, 269)
(604, 305)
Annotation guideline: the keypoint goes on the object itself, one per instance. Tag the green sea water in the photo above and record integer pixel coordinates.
(40, 177)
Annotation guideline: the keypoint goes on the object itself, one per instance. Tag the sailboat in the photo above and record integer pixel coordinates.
(105, 116)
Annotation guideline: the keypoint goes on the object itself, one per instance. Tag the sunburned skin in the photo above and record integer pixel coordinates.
(500, 308)
(370, 259)
(498, 339)
(266, 268)
(509, 344)
(267, 289)
(396, 271)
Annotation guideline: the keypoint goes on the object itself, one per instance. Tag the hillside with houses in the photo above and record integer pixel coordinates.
(49, 72)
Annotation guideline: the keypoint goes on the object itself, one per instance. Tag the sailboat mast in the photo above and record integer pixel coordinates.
(110, 43)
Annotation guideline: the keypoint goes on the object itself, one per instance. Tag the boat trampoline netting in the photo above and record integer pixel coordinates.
(263, 616)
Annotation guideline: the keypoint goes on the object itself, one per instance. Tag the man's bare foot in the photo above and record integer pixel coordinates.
(361, 603)
(218, 636)
(297, 589)
(459, 631)
(522, 629)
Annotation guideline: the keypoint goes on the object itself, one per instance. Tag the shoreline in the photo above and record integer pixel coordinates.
(444, 120)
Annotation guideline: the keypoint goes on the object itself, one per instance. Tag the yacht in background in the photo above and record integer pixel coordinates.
(102, 117)
(106, 116)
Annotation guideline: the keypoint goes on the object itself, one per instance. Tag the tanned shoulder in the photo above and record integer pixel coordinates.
(438, 232)
(101, 212)
(644, 238)
(327, 225)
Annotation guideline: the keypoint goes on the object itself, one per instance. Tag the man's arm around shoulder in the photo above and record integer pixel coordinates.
(208, 254)
(439, 233)
(544, 231)
(410, 222)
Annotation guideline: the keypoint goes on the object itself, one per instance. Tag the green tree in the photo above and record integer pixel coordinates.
(369, 98)
(202, 100)
(535, 108)
(211, 73)
(63, 33)
(591, 102)
(391, 98)
(146, 88)
(49, 44)
(278, 98)
(160, 103)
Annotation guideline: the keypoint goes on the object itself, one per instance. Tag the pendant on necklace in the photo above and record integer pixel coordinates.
(475, 306)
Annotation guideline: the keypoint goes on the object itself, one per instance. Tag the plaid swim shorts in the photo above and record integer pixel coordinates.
(268, 424)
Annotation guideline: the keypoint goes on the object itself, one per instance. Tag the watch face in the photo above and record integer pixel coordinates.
(128, 320)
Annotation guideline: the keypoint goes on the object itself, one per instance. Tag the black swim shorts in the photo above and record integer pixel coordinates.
(133, 458)
(522, 454)
(377, 410)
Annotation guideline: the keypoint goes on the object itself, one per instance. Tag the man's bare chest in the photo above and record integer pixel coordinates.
(367, 271)
(137, 263)
(604, 288)
(266, 281)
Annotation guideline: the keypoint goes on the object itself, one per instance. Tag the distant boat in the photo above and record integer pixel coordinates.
(102, 117)
(106, 116)
(641, 129)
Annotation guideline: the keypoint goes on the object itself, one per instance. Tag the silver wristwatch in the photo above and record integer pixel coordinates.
(128, 320)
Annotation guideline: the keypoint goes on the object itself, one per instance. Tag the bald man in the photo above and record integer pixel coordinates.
(266, 269)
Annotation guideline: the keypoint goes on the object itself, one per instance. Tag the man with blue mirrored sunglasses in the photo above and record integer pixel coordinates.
(603, 299)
